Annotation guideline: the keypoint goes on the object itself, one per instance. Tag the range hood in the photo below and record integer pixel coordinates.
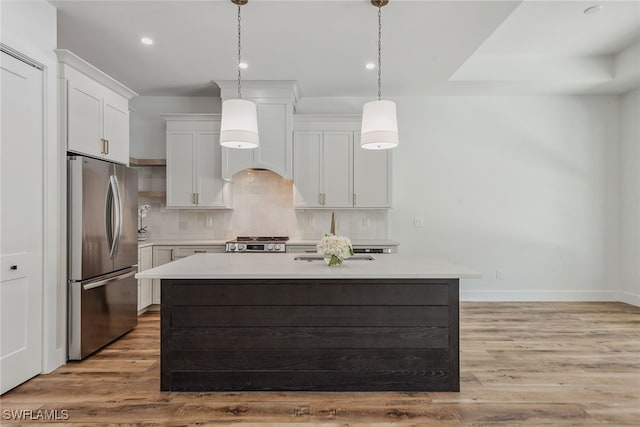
(276, 101)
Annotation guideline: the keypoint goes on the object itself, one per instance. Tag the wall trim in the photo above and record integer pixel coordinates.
(630, 298)
(547, 296)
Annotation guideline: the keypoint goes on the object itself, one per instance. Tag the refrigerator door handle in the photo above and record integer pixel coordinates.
(108, 217)
(107, 281)
(118, 213)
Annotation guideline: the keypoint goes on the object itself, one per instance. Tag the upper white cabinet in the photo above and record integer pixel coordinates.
(330, 169)
(275, 102)
(371, 176)
(95, 110)
(323, 174)
(193, 162)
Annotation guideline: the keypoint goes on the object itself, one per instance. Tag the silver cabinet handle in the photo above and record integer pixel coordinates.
(172, 258)
(355, 199)
(107, 143)
(203, 251)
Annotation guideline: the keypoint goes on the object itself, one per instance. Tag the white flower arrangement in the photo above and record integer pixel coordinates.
(142, 212)
(336, 248)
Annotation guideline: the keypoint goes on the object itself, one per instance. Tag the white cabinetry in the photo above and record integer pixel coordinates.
(165, 254)
(193, 162)
(275, 103)
(145, 286)
(330, 170)
(94, 110)
(161, 255)
(371, 177)
(323, 173)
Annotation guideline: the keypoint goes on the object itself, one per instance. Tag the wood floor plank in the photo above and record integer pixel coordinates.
(524, 364)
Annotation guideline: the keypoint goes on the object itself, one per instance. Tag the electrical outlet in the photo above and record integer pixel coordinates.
(310, 222)
(499, 274)
(209, 223)
(365, 222)
(418, 222)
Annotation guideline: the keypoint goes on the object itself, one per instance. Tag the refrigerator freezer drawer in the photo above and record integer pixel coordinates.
(101, 311)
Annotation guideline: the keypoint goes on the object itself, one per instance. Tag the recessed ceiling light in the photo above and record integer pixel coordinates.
(370, 66)
(243, 65)
(146, 40)
(593, 9)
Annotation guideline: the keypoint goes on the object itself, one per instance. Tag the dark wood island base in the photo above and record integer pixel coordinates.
(310, 335)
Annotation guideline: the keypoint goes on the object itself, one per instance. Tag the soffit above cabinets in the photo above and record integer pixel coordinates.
(430, 47)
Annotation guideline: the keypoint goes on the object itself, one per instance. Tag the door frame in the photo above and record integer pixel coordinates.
(54, 301)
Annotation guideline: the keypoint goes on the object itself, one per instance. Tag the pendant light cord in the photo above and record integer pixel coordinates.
(379, 52)
(239, 55)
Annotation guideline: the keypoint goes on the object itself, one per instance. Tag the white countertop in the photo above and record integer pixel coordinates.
(181, 242)
(283, 266)
(194, 242)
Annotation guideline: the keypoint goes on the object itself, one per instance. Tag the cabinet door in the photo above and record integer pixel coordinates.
(338, 172)
(307, 169)
(84, 117)
(145, 262)
(372, 177)
(209, 184)
(161, 255)
(180, 169)
(116, 126)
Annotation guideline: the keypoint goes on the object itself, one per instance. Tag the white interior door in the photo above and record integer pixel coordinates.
(21, 213)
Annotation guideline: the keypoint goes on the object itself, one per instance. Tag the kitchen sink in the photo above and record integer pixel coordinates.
(310, 258)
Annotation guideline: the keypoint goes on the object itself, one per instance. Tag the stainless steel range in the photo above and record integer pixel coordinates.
(257, 244)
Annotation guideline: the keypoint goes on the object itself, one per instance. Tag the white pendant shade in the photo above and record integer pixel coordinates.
(379, 125)
(239, 124)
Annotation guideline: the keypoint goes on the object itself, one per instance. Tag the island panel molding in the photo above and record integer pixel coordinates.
(310, 334)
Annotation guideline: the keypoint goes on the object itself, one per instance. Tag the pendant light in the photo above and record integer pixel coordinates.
(239, 123)
(379, 120)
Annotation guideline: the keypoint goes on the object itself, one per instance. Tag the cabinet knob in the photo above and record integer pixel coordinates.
(14, 267)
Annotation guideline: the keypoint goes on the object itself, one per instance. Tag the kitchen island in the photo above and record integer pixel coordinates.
(233, 322)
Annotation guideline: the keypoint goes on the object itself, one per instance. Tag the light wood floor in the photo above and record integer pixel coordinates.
(553, 364)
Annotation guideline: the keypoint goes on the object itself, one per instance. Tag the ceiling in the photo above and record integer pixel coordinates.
(429, 47)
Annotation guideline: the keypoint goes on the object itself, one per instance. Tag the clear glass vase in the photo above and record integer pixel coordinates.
(333, 260)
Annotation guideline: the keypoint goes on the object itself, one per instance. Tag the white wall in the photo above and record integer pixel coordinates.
(522, 187)
(148, 137)
(30, 28)
(630, 198)
(526, 186)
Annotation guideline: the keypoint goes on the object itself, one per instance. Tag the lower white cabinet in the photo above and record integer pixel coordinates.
(161, 255)
(165, 254)
(145, 286)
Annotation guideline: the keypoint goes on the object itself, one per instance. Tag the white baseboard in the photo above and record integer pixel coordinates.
(501, 295)
(630, 298)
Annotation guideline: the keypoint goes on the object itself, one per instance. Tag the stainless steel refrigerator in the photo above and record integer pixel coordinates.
(103, 253)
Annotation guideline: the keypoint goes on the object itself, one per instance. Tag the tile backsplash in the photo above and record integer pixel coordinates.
(262, 205)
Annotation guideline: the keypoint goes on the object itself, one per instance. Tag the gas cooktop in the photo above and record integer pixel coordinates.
(257, 244)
